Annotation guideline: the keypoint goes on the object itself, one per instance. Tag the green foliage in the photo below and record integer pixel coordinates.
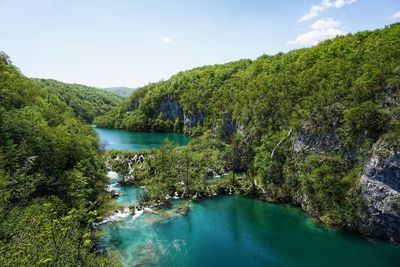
(273, 92)
(50, 177)
(86, 102)
(328, 185)
(43, 237)
(191, 90)
(302, 122)
(185, 170)
(365, 121)
(271, 156)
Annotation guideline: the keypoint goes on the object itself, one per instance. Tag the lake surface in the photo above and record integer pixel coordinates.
(127, 140)
(235, 231)
(240, 231)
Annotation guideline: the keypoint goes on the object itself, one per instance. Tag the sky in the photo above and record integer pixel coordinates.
(132, 43)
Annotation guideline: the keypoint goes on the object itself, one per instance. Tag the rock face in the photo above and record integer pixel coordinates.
(380, 185)
(305, 140)
(379, 182)
(228, 125)
(192, 118)
(134, 104)
(171, 109)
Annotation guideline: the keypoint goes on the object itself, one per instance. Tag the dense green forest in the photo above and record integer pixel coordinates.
(186, 170)
(50, 177)
(86, 102)
(303, 122)
(272, 92)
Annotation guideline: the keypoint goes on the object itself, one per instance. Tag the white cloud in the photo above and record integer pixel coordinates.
(167, 39)
(395, 16)
(322, 29)
(325, 4)
(325, 23)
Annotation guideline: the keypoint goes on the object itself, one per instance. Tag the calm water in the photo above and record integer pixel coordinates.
(235, 231)
(240, 231)
(127, 140)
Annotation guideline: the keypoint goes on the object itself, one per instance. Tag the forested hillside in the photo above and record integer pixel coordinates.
(316, 127)
(272, 92)
(86, 102)
(50, 177)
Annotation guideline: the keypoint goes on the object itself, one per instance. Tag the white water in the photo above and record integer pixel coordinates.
(111, 187)
(112, 175)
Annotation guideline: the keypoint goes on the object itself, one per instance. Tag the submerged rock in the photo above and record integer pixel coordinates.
(183, 210)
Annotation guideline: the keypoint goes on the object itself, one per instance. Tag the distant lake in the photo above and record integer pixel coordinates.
(127, 140)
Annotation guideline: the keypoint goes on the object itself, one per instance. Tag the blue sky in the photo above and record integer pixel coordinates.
(132, 43)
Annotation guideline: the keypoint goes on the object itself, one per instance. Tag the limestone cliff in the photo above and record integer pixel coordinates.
(380, 184)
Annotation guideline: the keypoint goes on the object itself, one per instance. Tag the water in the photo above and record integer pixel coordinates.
(128, 195)
(127, 140)
(240, 231)
(234, 231)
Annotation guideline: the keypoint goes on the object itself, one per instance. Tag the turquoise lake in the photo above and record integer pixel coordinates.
(234, 231)
(127, 140)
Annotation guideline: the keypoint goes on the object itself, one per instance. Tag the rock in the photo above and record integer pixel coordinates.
(114, 194)
(134, 104)
(380, 190)
(192, 118)
(228, 125)
(171, 109)
(183, 210)
(307, 140)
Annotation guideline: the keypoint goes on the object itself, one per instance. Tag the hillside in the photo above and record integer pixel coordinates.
(86, 102)
(50, 177)
(121, 91)
(317, 127)
(349, 68)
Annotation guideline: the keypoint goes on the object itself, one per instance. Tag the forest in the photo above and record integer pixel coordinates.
(305, 121)
(86, 102)
(51, 177)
